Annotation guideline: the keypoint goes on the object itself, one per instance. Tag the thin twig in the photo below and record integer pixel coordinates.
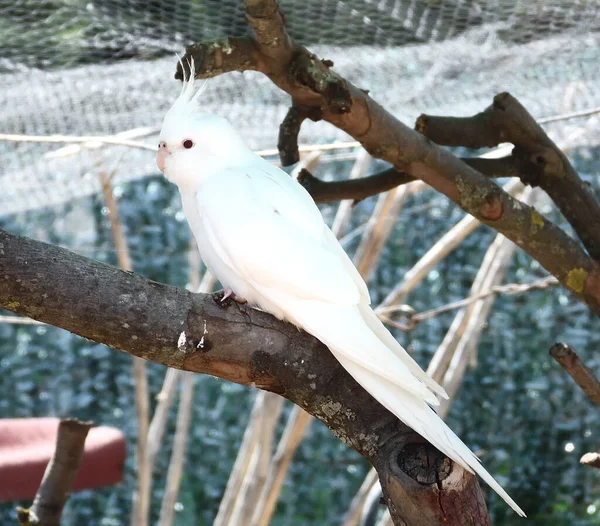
(19, 320)
(378, 230)
(184, 417)
(583, 375)
(175, 472)
(59, 476)
(510, 289)
(73, 149)
(293, 434)
(342, 216)
(355, 511)
(158, 424)
(102, 139)
(571, 115)
(442, 248)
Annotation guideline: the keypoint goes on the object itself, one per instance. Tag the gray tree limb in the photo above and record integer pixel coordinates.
(192, 332)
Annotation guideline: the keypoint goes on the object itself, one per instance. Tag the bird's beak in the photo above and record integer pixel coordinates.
(161, 156)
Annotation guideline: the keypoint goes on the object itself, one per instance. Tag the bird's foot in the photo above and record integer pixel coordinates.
(226, 296)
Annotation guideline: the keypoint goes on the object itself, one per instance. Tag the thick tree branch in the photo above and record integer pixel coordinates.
(541, 162)
(59, 476)
(583, 376)
(189, 331)
(310, 82)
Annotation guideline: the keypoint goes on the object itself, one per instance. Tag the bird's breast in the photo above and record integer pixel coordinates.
(228, 277)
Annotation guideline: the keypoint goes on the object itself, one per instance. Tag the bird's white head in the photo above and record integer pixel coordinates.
(194, 146)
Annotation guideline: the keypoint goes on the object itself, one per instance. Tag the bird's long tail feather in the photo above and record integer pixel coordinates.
(356, 341)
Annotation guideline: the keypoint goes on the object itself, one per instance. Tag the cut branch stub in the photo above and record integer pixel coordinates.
(591, 459)
(477, 131)
(425, 465)
(583, 375)
(441, 492)
(221, 56)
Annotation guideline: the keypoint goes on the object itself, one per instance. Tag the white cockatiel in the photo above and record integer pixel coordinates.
(261, 234)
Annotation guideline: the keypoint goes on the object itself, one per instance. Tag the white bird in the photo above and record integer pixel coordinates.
(261, 234)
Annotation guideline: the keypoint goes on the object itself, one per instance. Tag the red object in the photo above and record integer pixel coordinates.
(27, 444)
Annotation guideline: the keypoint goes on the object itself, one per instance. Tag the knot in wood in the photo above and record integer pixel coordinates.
(424, 463)
(492, 208)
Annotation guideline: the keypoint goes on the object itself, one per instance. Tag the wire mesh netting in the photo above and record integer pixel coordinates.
(104, 68)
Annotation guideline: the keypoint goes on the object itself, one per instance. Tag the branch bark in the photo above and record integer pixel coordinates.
(289, 129)
(359, 189)
(591, 459)
(354, 189)
(583, 376)
(59, 477)
(311, 83)
(192, 332)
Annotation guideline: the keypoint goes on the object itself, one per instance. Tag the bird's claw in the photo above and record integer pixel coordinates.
(226, 296)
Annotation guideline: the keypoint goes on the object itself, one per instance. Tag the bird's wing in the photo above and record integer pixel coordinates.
(278, 242)
(265, 230)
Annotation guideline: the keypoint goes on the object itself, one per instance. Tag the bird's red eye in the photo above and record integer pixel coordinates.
(188, 143)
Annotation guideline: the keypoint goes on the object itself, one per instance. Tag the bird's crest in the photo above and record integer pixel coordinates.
(189, 95)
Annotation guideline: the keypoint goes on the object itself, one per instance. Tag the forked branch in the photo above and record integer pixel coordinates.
(538, 161)
(312, 83)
